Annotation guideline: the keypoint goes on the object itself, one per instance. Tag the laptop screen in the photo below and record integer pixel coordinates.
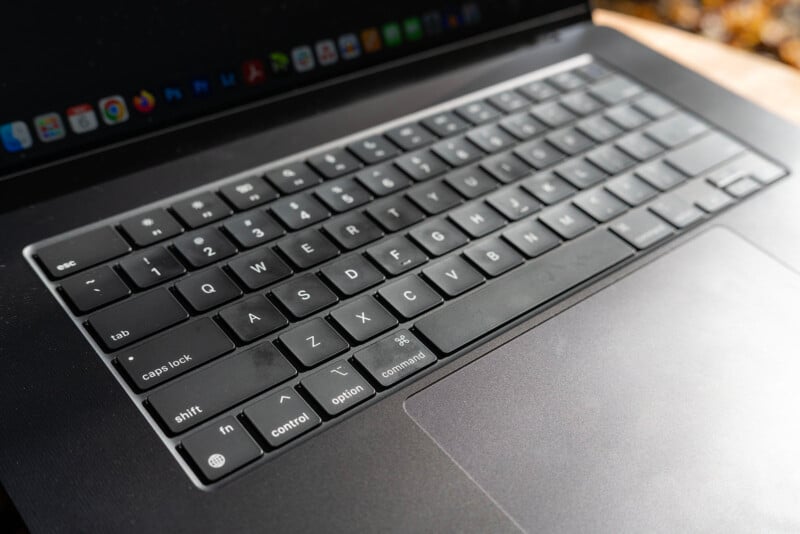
(78, 80)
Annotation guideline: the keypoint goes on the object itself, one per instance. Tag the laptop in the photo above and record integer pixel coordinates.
(400, 266)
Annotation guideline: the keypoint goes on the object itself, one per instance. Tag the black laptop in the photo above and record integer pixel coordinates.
(389, 266)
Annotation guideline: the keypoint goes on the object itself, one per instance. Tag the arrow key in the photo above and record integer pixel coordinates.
(282, 417)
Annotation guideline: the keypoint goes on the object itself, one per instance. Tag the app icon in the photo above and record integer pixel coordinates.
(82, 118)
(49, 127)
(113, 109)
(432, 22)
(201, 87)
(279, 62)
(227, 79)
(326, 52)
(470, 14)
(371, 40)
(452, 19)
(253, 72)
(15, 136)
(144, 102)
(302, 58)
(413, 28)
(391, 34)
(173, 94)
(349, 47)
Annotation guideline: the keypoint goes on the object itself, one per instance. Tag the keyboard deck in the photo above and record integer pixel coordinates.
(254, 313)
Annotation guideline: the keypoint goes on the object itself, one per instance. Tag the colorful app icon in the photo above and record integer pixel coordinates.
(173, 94)
(432, 22)
(470, 14)
(279, 62)
(227, 79)
(349, 47)
(201, 87)
(326, 52)
(82, 118)
(113, 109)
(452, 19)
(302, 58)
(144, 102)
(413, 28)
(49, 127)
(15, 136)
(391, 34)
(371, 40)
(253, 72)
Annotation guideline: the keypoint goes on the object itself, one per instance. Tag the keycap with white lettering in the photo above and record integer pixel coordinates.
(281, 417)
(395, 357)
(314, 342)
(363, 318)
(151, 227)
(221, 449)
(201, 209)
(337, 387)
(82, 251)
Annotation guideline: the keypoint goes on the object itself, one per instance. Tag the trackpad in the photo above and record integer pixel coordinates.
(668, 402)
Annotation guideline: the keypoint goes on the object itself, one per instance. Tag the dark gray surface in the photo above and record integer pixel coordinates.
(667, 402)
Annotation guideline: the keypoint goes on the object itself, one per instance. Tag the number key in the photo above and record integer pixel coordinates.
(253, 228)
(151, 267)
(204, 247)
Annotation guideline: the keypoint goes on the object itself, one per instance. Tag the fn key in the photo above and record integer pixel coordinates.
(221, 449)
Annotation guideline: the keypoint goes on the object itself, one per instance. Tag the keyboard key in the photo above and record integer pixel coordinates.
(598, 128)
(626, 117)
(567, 81)
(601, 205)
(299, 211)
(395, 213)
(610, 159)
(219, 386)
(570, 141)
(759, 168)
(477, 219)
(552, 114)
(383, 180)
(539, 154)
(253, 228)
(641, 229)
(471, 182)
(478, 112)
(307, 248)
(314, 342)
(548, 188)
(705, 196)
(410, 136)
(207, 289)
(259, 268)
(409, 296)
(221, 449)
(304, 295)
(493, 257)
(593, 71)
(395, 358)
(204, 247)
(151, 267)
(567, 221)
(396, 255)
(352, 230)
(509, 101)
(457, 151)
(445, 124)
(352, 274)
(248, 193)
(434, 197)
(538, 91)
(532, 238)
(654, 106)
(456, 324)
(293, 177)
(675, 130)
(151, 227)
(614, 89)
(421, 165)
(337, 387)
(743, 187)
(580, 103)
(281, 417)
(82, 251)
(201, 209)
(171, 354)
(363, 319)
(373, 149)
(660, 175)
(252, 318)
(136, 318)
(438, 237)
(514, 204)
(638, 146)
(703, 154)
(505, 167)
(453, 276)
(92, 289)
(343, 194)
(676, 211)
(522, 126)
(631, 189)
(334, 162)
(580, 173)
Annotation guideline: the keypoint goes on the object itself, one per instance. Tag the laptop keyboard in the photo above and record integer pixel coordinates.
(260, 309)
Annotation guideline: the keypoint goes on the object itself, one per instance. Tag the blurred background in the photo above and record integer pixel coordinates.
(766, 27)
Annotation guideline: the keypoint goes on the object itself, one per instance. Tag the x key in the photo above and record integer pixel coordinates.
(363, 319)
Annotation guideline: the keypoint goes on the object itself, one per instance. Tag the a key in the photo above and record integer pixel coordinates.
(253, 228)
(201, 209)
(82, 251)
(151, 227)
(675, 130)
(522, 126)
(548, 188)
(259, 268)
(409, 296)
(438, 237)
(626, 117)
(676, 211)
(567, 81)
(395, 213)
(204, 247)
(580, 103)
(532, 238)
(539, 154)
(373, 149)
(703, 154)
(352, 274)
(505, 167)
(552, 114)
(638, 146)
(580, 173)
(282, 416)
(567, 221)
(252, 318)
(434, 197)
(410, 136)
(221, 449)
(477, 219)
(641, 228)
(307, 248)
(92, 289)
(333, 163)
(478, 112)
(363, 319)
(570, 141)
(248, 193)
(453, 276)
(207, 289)
(383, 180)
(614, 89)
(471, 182)
(445, 124)
(456, 151)
(598, 128)
(396, 255)
(352, 230)
(293, 177)
(601, 205)
(203, 394)
(299, 211)
(660, 175)
(136, 318)
(631, 189)
(171, 354)
(509, 101)
(304, 295)
(421, 165)
(151, 267)
(493, 257)
(610, 159)
(314, 342)
(539, 90)
(513, 204)
(395, 358)
(653, 105)
(337, 387)
(343, 194)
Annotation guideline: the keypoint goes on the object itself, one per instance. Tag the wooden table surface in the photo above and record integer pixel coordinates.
(767, 82)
